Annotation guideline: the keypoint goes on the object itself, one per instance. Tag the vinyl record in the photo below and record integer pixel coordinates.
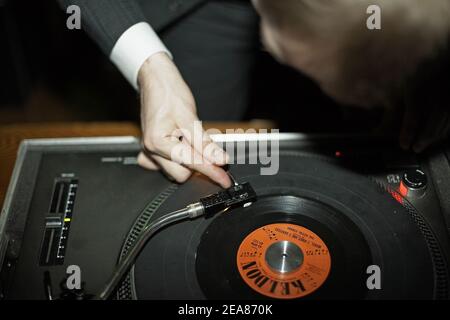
(333, 253)
(345, 215)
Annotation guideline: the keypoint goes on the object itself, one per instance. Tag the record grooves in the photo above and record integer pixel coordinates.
(343, 245)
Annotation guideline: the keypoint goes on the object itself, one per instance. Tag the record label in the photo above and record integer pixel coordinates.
(283, 261)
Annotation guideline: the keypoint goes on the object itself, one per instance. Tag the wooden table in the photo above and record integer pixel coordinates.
(12, 135)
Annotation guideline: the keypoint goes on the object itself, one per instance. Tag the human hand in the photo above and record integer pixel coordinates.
(173, 138)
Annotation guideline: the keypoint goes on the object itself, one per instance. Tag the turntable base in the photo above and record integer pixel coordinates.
(336, 208)
(343, 223)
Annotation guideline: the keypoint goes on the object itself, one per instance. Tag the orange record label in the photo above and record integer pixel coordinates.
(283, 261)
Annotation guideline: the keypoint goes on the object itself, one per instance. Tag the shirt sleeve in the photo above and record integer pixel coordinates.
(120, 29)
(133, 47)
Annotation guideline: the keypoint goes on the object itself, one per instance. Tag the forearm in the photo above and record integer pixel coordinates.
(121, 31)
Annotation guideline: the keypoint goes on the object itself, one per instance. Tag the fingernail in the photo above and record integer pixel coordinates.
(226, 183)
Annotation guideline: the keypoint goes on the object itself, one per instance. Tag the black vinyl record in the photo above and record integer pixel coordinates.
(218, 249)
(359, 223)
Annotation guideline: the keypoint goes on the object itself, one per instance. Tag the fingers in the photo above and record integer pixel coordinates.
(189, 146)
(194, 133)
(183, 156)
(172, 169)
(215, 173)
(146, 162)
(174, 139)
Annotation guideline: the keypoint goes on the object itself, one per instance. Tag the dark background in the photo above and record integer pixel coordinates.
(49, 73)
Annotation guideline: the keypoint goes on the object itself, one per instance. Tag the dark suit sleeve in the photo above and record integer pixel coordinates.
(106, 20)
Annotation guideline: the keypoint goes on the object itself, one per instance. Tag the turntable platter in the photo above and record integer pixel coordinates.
(312, 234)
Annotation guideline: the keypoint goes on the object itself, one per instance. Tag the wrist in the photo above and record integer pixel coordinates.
(153, 66)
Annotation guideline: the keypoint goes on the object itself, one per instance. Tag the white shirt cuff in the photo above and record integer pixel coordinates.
(134, 46)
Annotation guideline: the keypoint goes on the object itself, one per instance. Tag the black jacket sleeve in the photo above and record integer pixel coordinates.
(106, 20)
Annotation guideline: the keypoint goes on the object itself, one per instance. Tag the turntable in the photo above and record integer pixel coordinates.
(338, 210)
